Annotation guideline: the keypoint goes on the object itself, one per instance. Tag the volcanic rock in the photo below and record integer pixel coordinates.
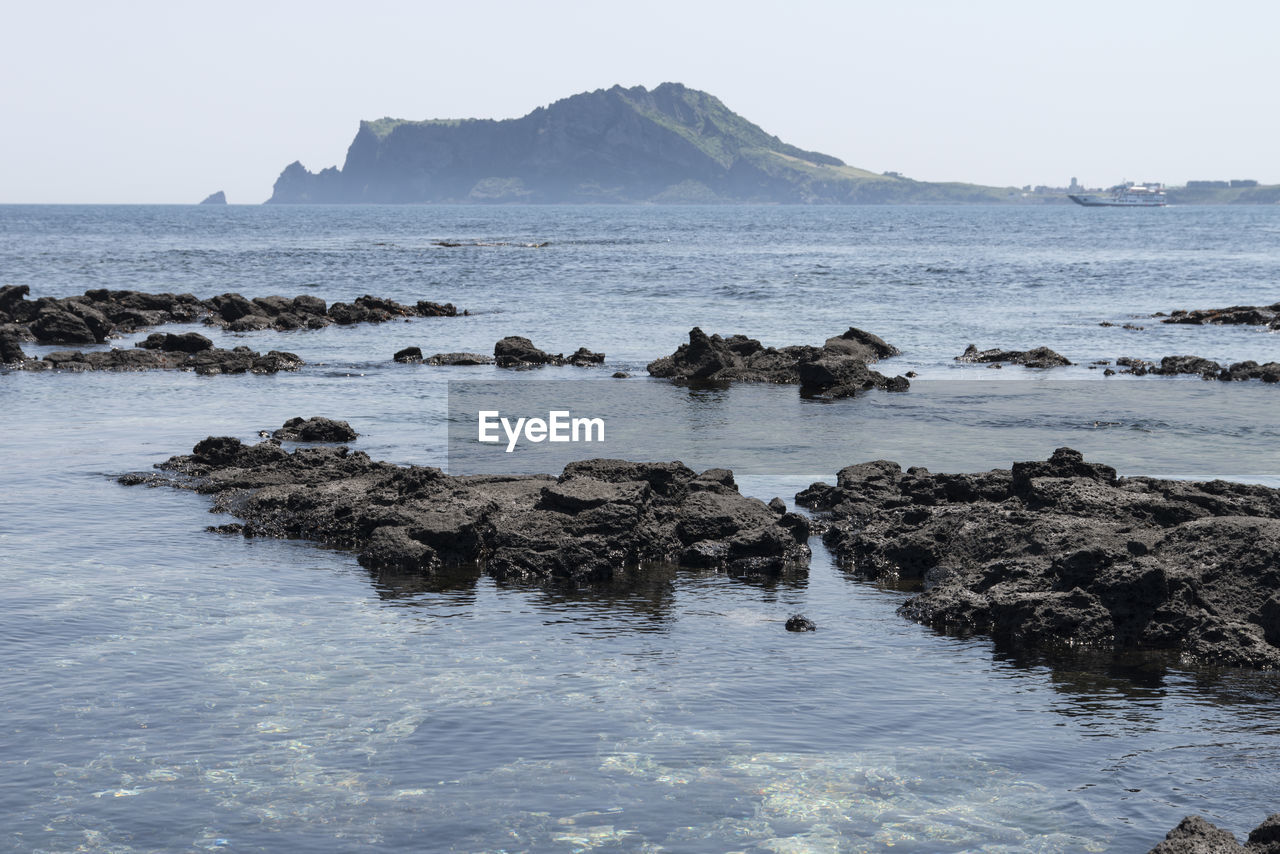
(239, 360)
(597, 520)
(1205, 368)
(10, 348)
(1242, 315)
(836, 369)
(1063, 552)
(460, 359)
(1194, 835)
(1039, 357)
(516, 351)
(52, 326)
(409, 355)
(100, 313)
(316, 429)
(188, 342)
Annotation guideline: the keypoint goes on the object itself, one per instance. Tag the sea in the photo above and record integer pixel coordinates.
(167, 688)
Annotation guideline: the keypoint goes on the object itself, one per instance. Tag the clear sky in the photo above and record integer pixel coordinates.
(170, 101)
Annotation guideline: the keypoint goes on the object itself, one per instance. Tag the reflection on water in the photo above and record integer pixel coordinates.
(638, 598)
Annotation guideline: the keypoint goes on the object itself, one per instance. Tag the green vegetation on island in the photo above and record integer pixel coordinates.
(669, 145)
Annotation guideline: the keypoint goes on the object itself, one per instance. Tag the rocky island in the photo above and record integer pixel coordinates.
(671, 144)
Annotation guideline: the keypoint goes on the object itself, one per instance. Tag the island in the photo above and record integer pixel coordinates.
(673, 144)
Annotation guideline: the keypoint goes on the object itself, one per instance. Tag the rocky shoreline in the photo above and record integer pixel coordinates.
(101, 313)
(838, 368)
(597, 520)
(1042, 555)
(1063, 552)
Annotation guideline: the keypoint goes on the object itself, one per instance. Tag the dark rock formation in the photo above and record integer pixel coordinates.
(597, 520)
(426, 308)
(52, 326)
(188, 342)
(460, 359)
(1194, 835)
(516, 351)
(1040, 357)
(583, 358)
(671, 144)
(209, 361)
(1063, 552)
(218, 198)
(10, 348)
(317, 429)
(409, 355)
(860, 345)
(1251, 370)
(800, 623)
(836, 369)
(1243, 315)
(1206, 368)
(100, 313)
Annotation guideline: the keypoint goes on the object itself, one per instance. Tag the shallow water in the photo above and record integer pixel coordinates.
(173, 689)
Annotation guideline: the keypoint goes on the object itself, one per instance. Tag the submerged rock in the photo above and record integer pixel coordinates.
(1038, 357)
(101, 313)
(598, 519)
(800, 623)
(239, 360)
(1194, 835)
(1063, 552)
(460, 359)
(836, 369)
(317, 429)
(1237, 315)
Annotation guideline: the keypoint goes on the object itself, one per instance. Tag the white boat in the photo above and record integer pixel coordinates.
(1130, 195)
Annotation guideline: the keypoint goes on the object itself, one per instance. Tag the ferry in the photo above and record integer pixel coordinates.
(1129, 195)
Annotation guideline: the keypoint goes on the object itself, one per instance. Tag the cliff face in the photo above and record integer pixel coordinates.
(671, 144)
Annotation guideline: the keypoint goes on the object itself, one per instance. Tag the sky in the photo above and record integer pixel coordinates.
(164, 102)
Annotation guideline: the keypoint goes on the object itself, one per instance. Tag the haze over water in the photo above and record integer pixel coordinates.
(175, 689)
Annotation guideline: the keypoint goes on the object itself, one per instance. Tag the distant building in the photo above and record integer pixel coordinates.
(893, 174)
(1243, 182)
(1208, 185)
(1075, 186)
